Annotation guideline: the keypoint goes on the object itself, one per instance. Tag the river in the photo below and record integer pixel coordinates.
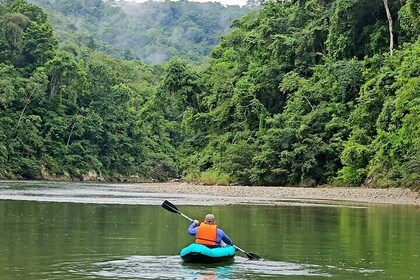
(92, 231)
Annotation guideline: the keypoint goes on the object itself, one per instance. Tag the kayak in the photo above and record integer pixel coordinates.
(197, 253)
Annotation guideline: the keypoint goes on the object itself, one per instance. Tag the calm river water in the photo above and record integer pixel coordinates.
(44, 236)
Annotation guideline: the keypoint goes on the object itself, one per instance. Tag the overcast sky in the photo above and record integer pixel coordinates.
(225, 2)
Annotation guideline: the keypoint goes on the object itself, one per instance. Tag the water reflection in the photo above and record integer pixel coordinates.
(171, 267)
(109, 239)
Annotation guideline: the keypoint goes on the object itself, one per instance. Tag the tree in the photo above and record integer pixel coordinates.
(382, 150)
(390, 26)
(26, 39)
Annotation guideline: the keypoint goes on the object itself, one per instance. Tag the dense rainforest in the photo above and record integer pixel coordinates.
(301, 92)
(151, 31)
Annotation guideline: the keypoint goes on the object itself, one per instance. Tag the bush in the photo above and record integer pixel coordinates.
(209, 177)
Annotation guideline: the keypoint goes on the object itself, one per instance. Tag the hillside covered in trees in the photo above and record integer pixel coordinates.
(151, 31)
(304, 92)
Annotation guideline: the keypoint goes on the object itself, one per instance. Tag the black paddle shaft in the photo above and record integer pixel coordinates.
(172, 208)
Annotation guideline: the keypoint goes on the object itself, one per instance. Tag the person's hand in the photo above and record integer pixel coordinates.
(197, 222)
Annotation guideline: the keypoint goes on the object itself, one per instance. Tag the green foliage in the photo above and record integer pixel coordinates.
(397, 146)
(385, 133)
(27, 38)
(209, 177)
(182, 87)
(359, 28)
(409, 16)
(63, 116)
(302, 143)
(298, 93)
(286, 104)
(153, 31)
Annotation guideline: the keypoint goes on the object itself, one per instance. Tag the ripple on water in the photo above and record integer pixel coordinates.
(171, 267)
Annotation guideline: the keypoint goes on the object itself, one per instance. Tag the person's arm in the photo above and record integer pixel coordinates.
(226, 238)
(193, 228)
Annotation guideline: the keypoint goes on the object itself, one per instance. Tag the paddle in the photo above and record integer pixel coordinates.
(172, 208)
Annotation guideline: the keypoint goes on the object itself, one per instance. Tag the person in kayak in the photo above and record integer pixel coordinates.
(207, 233)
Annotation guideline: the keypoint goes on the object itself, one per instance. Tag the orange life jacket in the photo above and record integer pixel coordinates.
(206, 234)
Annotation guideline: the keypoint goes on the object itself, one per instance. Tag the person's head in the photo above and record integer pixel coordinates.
(210, 219)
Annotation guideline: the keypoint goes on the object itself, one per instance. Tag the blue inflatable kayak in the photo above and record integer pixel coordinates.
(197, 253)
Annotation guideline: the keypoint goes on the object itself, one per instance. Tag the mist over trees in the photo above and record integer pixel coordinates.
(304, 92)
(153, 31)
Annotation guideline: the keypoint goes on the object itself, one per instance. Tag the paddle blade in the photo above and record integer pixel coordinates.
(252, 256)
(170, 207)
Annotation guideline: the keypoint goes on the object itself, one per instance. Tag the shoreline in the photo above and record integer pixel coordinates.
(284, 195)
(196, 194)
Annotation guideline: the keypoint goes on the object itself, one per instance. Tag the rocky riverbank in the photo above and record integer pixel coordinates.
(194, 194)
(282, 195)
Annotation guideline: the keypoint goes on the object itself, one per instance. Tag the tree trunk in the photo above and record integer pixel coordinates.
(28, 100)
(71, 133)
(391, 35)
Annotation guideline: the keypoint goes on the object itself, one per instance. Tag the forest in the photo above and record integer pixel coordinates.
(297, 93)
(151, 31)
